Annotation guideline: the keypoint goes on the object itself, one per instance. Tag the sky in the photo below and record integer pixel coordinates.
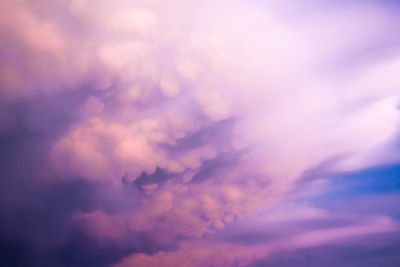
(141, 133)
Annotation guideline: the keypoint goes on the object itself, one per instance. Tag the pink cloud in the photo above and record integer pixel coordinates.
(234, 101)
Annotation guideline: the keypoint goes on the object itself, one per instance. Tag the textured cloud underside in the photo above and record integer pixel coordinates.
(205, 111)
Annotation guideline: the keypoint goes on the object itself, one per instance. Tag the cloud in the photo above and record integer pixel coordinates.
(182, 117)
(249, 241)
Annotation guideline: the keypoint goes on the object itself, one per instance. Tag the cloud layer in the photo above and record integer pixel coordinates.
(137, 132)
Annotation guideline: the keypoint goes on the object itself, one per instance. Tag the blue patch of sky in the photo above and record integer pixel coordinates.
(376, 186)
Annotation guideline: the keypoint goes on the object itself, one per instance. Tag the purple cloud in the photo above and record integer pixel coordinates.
(135, 133)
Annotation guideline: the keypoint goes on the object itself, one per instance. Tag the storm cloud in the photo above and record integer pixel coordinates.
(187, 133)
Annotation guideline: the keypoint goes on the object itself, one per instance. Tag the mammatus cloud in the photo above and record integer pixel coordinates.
(170, 121)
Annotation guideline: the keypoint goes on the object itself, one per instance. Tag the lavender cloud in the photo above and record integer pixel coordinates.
(178, 118)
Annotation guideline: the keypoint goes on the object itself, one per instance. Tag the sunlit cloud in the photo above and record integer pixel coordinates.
(170, 123)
